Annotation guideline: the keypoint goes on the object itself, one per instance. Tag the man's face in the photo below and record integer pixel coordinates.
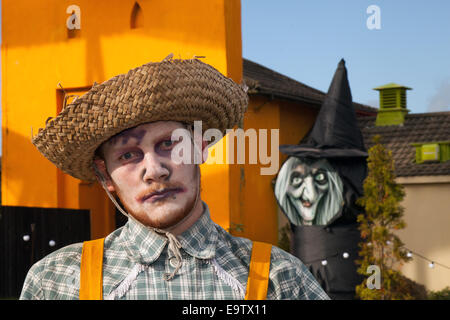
(153, 189)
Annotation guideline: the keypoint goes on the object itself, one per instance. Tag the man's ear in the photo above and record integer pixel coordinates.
(103, 175)
(204, 150)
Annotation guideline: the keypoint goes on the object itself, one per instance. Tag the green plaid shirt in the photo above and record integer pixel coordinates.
(215, 265)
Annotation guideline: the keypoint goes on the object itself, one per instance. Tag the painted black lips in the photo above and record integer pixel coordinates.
(161, 194)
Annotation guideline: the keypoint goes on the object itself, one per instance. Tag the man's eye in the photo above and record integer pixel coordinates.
(166, 144)
(127, 156)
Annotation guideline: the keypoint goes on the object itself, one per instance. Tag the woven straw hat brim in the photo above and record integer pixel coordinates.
(171, 90)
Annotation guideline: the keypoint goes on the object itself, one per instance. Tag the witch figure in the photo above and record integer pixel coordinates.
(316, 189)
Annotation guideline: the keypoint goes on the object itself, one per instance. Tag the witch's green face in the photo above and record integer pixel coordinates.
(307, 185)
(309, 191)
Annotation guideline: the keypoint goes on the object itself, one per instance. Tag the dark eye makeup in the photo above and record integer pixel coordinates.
(320, 177)
(128, 155)
(296, 179)
(162, 147)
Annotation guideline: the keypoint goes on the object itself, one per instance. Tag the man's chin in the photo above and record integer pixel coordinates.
(162, 218)
(165, 215)
(164, 224)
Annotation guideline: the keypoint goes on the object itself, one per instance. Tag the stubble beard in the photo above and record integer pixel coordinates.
(164, 220)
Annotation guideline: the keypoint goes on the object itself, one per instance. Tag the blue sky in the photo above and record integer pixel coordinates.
(305, 40)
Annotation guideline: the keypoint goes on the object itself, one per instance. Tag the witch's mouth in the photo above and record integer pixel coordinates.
(306, 204)
(160, 194)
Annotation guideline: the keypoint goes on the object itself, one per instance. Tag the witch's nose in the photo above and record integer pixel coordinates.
(309, 193)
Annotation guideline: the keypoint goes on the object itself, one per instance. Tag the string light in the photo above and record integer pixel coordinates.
(409, 254)
(431, 264)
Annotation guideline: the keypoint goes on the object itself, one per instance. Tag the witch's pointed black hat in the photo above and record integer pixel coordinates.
(335, 133)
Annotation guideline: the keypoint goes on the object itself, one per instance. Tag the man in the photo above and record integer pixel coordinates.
(120, 133)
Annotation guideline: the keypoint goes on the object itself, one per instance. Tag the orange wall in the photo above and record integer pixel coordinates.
(38, 52)
(297, 119)
(259, 206)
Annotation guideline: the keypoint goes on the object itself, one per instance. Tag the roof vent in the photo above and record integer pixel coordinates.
(432, 152)
(392, 104)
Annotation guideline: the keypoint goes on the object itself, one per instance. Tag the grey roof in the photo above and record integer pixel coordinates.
(262, 80)
(417, 128)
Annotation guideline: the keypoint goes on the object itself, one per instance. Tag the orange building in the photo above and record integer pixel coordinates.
(53, 50)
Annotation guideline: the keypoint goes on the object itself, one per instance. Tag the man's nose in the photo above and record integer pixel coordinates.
(153, 168)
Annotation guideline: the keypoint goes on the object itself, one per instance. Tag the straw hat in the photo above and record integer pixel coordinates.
(173, 89)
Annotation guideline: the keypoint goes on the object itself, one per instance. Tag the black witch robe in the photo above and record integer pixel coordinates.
(336, 137)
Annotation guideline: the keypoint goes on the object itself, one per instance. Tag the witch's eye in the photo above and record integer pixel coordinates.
(296, 181)
(320, 177)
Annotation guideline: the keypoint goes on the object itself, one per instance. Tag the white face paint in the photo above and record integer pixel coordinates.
(139, 168)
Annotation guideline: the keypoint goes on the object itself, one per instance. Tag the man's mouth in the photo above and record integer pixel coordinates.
(160, 194)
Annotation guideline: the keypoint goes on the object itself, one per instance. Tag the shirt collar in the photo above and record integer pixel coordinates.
(200, 239)
(145, 246)
(142, 244)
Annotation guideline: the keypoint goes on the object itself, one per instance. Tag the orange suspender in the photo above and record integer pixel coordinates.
(91, 275)
(258, 275)
(91, 282)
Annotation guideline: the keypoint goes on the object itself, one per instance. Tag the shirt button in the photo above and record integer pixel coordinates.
(173, 262)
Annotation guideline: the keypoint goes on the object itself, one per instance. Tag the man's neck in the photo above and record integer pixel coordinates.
(189, 220)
